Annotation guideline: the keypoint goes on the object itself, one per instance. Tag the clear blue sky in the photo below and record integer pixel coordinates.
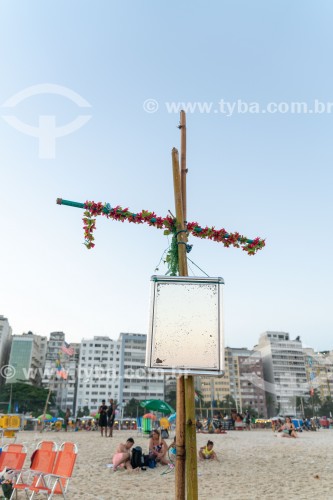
(267, 175)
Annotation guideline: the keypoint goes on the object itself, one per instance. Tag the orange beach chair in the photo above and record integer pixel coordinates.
(58, 480)
(13, 457)
(42, 463)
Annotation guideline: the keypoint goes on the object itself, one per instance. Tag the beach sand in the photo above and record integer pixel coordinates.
(253, 465)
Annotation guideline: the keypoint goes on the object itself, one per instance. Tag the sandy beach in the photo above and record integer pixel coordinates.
(253, 465)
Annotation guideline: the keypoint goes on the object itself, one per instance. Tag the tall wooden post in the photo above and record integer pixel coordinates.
(190, 428)
(183, 169)
(190, 441)
(180, 408)
(185, 388)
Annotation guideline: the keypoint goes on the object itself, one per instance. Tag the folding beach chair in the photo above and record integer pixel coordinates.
(57, 481)
(42, 463)
(12, 460)
(13, 457)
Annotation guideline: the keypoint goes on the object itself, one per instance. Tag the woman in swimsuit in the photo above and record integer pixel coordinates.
(288, 429)
(158, 448)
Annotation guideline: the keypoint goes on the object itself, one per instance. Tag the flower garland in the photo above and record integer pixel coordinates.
(168, 223)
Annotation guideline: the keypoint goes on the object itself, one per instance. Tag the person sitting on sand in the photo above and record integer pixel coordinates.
(172, 451)
(207, 452)
(220, 429)
(288, 429)
(122, 457)
(198, 425)
(239, 424)
(158, 448)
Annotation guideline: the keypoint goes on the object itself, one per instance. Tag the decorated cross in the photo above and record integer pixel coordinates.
(179, 229)
(168, 223)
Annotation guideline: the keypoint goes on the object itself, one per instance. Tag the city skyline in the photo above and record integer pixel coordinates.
(70, 341)
(271, 375)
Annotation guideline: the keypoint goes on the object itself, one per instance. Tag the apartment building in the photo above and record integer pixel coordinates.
(243, 381)
(27, 358)
(98, 372)
(5, 343)
(284, 371)
(135, 381)
(319, 371)
(115, 369)
(63, 378)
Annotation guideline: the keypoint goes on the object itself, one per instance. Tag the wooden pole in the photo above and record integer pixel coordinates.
(191, 440)
(190, 427)
(183, 169)
(180, 408)
(185, 421)
(182, 237)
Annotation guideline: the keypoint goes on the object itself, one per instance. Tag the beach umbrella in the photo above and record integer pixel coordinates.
(150, 415)
(172, 417)
(45, 417)
(157, 405)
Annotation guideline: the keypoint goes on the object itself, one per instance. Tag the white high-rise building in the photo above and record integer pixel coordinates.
(98, 372)
(134, 381)
(5, 342)
(115, 369)
(284, 371)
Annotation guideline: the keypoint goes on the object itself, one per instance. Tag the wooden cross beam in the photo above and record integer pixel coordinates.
(168, 223)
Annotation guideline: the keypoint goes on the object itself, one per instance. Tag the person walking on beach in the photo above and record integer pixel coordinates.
(103, 418)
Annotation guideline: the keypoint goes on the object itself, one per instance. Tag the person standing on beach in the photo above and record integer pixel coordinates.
(103, 418)
(247, 421)
(111, 416)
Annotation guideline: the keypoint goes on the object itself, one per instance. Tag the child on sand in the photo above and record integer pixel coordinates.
(207, 452)
(172, 450)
